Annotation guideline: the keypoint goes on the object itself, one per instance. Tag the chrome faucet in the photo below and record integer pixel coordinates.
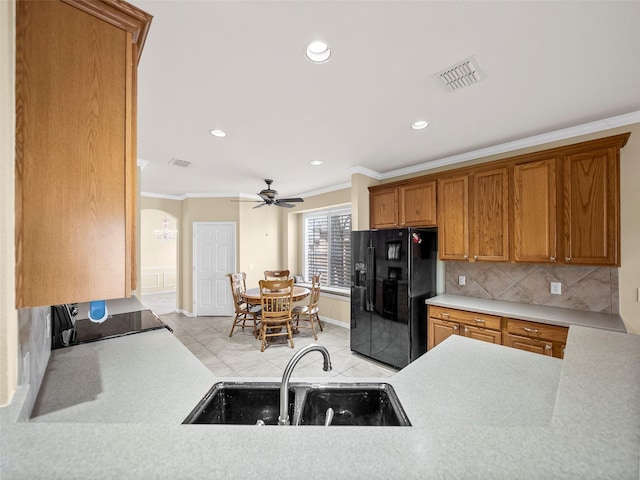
(283, 419)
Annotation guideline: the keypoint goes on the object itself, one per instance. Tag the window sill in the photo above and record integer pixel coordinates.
(330, 292)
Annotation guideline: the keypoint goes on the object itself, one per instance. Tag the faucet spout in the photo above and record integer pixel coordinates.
(283, 419)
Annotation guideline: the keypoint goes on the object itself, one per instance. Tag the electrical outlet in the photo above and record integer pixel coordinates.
(556, 288)
(462, 280)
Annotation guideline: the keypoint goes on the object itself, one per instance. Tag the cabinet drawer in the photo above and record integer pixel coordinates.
(469, 318)
(537, 330)
(482, 334)
(529, 344)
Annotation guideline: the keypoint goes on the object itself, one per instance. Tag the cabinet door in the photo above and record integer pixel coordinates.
(591, 207)
(491, 215)
(440, 330)
(418, 205)
(529, 344)
(453, 215)
(534, 211)
(75, 150)
(482, 334)
(383, 206)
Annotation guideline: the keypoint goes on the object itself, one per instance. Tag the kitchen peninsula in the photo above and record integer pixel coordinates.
(478, 411)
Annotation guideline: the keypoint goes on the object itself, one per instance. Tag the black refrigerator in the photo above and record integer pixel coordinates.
(392, 273)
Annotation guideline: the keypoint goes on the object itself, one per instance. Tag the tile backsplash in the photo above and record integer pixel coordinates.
(583, 288)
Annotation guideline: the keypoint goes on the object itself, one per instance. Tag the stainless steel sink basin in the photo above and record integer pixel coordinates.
(354, 404)
(237, 403)
(248, 403)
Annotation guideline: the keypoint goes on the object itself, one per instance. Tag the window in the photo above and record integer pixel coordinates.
(327, 247)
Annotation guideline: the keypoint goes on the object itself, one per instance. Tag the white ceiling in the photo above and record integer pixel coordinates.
(239, 66)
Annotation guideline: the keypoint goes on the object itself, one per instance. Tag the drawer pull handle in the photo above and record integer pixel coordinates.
(479, 320)
(445, 314)
(530, 330)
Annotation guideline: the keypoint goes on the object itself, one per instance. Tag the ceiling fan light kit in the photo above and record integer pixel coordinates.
(270, 197)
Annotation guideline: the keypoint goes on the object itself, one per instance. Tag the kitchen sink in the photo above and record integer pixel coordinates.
(251, 403)
(238, 403)
(373, 404)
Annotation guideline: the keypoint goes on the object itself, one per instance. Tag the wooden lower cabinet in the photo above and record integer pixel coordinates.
(444, 322)
(534, 336)
(525, 335)
(529, 344)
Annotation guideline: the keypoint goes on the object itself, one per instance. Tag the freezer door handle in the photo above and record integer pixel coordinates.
(370, 281)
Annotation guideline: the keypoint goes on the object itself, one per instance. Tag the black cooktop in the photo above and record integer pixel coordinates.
(116, 326)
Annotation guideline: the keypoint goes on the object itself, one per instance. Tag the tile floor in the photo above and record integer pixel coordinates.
(239, 356)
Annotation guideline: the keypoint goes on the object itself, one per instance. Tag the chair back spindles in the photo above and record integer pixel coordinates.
(276, 301)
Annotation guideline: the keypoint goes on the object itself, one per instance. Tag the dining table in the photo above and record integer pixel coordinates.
(252, 295)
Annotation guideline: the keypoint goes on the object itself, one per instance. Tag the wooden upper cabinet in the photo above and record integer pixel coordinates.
(490, 224)
(418, 204)
(534, 211)
(383, 207)
(75, 149)
(453, 218)
(592, 207)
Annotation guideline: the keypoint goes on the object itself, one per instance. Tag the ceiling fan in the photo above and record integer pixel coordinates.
(270, 197)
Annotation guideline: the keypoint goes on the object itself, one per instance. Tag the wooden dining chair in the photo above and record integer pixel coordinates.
(309, 313)
(276, 301)
(243, 311)
(276, 274)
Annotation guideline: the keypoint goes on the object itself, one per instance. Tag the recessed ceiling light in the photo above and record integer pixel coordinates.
(218, 133)
(316, 162)
(318, 52)
(419, 124)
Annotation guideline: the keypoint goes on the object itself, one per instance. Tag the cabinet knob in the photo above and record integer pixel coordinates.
(567, 259)
(465, 256)
(455, 327)
(553, 259)
(475, 257)
(547, 347)
(466, 330)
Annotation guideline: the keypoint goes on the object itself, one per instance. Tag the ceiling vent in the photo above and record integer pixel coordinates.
(462, 74)
(179, 163)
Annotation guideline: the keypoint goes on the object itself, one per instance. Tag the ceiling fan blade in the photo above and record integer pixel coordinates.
(264, 197)
(286, 205)
(261, 205)
(250, 201)
(294, 200)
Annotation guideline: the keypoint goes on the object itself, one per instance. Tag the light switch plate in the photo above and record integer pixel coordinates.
(462, 280)
(556, 288)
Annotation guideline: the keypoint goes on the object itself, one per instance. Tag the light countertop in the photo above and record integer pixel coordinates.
(478, 411)
(563, 317)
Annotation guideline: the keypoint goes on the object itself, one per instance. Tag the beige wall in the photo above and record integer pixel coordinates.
(8, 313)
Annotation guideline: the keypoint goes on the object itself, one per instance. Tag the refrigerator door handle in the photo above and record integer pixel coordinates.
(370, 282)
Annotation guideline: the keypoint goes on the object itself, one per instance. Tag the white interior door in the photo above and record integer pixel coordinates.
(214, 257)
